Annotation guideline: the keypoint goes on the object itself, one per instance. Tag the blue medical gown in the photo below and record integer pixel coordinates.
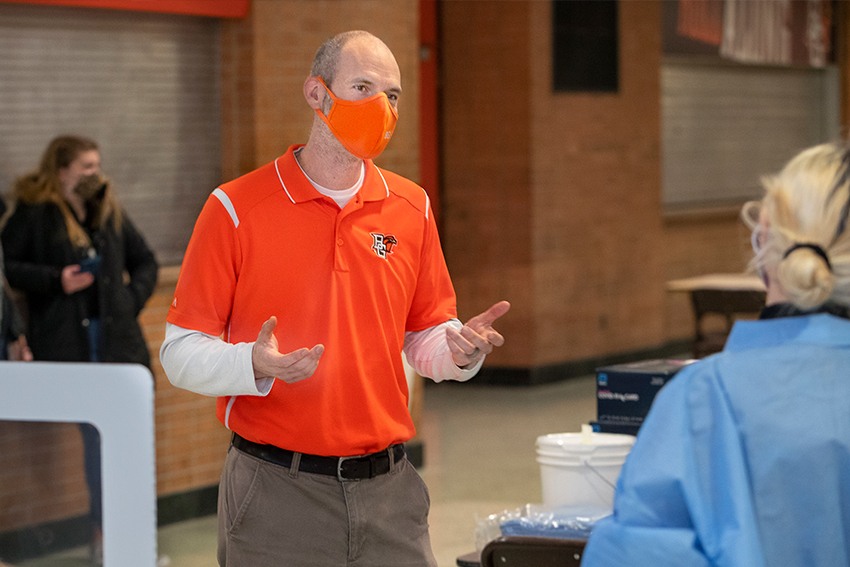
(744, 458)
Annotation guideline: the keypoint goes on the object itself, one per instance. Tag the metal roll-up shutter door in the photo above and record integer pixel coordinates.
(144, 86)
(725, 125)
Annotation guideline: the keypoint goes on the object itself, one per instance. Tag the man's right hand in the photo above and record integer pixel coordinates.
(292, 367)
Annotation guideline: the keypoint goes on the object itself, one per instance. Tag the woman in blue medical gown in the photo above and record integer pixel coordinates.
(744, 458)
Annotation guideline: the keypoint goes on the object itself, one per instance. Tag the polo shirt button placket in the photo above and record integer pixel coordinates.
(339, 258)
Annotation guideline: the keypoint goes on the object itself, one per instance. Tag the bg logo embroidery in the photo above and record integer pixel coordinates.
(383, 244)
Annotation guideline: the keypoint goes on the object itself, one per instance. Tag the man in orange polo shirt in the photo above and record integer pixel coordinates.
(303, 282)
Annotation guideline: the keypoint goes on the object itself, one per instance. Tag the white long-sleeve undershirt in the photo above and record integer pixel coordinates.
(210, 366)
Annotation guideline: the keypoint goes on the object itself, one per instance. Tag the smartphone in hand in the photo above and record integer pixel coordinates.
(90, 264)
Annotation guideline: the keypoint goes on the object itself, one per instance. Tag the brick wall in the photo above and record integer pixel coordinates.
(552, 200)
(597, 245)
(42, 475)
(488, 223)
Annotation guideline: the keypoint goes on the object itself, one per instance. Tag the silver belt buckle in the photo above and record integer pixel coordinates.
(341, 460)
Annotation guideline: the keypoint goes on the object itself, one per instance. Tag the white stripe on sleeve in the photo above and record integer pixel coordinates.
(228, 205)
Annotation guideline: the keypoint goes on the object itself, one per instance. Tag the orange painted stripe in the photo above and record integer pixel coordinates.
(214, 8)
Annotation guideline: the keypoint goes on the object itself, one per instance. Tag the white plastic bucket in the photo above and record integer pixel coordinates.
(581, 469)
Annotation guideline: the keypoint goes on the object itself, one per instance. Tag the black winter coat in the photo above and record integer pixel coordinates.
(37, 247)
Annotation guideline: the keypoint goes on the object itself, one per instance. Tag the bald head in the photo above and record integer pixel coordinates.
(328, 55)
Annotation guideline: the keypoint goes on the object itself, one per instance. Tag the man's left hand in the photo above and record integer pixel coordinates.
(477, 337)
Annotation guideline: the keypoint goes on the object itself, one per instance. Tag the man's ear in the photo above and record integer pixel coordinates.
(314, 93)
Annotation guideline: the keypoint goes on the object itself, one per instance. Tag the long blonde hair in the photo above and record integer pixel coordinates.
(43, 185)
(806, 206)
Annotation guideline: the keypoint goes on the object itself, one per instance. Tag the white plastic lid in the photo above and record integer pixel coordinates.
(582, 442)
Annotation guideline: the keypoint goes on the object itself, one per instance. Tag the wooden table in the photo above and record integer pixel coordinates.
(724, 296)
(722, 282)
(471, 559)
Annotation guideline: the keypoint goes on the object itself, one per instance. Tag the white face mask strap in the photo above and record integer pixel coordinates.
(754, 240)
(841, 181)
(842, 223)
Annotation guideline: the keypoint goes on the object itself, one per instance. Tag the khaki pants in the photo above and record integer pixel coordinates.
(271, 516)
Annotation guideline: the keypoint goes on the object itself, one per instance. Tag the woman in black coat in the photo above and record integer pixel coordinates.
(84, 269)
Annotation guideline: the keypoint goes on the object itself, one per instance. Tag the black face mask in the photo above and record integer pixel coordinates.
(92, 187)
(778, 310)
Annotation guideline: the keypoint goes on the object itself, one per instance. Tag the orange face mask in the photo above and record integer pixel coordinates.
(364, 127)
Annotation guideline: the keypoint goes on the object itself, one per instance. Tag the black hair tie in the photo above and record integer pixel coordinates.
(814, 248)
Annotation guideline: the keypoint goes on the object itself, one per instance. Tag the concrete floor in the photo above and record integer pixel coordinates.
(479, 460)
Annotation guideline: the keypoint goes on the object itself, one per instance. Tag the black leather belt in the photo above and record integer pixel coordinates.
(344, 468)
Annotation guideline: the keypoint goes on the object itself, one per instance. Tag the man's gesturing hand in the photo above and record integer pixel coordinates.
(291, 367)
(477, 337)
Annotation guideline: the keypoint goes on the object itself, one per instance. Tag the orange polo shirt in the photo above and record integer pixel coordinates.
(354, 280)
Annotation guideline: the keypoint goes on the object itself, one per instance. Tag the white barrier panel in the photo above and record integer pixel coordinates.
(118, 400)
